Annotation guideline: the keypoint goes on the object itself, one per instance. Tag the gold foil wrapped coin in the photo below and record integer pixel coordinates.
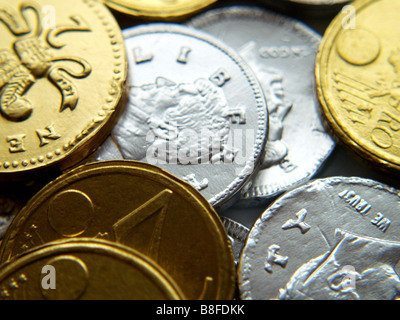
(137, 205)
(85, 270)
(63, 70)
(358, 77)
(159, 9)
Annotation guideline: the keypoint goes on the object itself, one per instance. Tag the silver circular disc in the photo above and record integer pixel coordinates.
(195, 109)
(334, 238)
(282, 53)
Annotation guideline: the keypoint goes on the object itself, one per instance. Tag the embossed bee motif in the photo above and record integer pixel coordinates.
(31, 58)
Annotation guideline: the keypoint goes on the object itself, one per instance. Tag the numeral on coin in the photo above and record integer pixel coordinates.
(156, 205)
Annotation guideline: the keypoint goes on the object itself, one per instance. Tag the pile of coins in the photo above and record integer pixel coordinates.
(135, 131)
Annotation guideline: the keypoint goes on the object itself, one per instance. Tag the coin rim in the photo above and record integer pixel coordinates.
(91, 136)
(340, 132)
(126, 254)
(227, 267)
(233, 191)
(244, 267)
(267, 191)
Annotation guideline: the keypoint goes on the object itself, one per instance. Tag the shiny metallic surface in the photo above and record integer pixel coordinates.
(159, 9)
(316, 2)
(185, 81)
(357, 74)
(50, 116)
(333, 238)
(282, 52)
(314, 8)
(237, 234)
(137, 205)
(340, 163)
(85, 269)
(9, 207)
(13, 197)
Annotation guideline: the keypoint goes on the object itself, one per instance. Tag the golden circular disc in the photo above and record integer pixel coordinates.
(137, 205)
(85, 269)
(63, 72)
(358, 79)
(318, 2)
(159, 9)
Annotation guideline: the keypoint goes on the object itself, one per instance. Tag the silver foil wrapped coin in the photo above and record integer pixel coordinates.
(330, 239)
(282, 53)
(195, 109)
(237, 234)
